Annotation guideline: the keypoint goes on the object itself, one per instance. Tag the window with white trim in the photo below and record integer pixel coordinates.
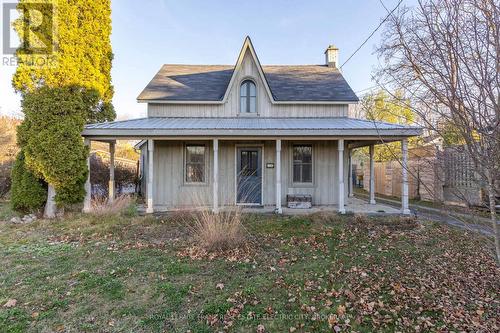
(195, 163)
(248, 97)
(302, 164)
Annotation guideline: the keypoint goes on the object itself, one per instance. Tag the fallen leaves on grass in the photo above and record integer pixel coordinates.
(10, 303)
(243, 254)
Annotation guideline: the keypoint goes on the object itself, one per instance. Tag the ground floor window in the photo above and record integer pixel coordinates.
(195, 163)
(302, 164)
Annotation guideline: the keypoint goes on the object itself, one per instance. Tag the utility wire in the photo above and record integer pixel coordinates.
(373, 32)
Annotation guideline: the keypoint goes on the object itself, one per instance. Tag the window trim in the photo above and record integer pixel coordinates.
(302, 184)
(244, 113)
(206, 164)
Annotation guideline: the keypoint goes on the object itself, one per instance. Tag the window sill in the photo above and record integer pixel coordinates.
(195, 184)
(303, 185)
(248, 115)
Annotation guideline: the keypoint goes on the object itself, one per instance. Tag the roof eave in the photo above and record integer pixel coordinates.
(343, 133)
(171, 101)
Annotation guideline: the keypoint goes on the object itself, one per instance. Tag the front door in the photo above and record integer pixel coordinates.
(249, 176)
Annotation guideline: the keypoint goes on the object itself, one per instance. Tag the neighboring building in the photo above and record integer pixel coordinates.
(223, 135)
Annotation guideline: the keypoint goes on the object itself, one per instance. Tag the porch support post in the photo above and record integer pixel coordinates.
(340, 149)
(405, 208)
(279, 210)
(216, 177)
(149, 208)
(87, 201)
(372, 175)
(111, 190)
(350, 185)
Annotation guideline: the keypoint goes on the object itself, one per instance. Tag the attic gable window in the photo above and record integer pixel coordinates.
(248, 97)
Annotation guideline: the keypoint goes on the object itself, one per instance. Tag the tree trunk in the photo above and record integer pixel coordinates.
(50, 207)
(496, 235)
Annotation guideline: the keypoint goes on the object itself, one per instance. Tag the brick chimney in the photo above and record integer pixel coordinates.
(332, 56)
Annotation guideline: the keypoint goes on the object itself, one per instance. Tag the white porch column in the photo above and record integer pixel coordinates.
(279, 210)
(111, 189)
(372, 175)
(350, 185)
(340, 149)
(405, 208)
(87, 201)
(216, 177)
(149, 208)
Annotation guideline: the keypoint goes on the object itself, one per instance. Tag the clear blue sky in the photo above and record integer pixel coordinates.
(147, 34)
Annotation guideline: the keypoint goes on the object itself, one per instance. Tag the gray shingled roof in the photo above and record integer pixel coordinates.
(287, 83)
(249, 126)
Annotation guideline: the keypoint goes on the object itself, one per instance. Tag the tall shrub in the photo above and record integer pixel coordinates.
(51, 138)
(28, 192)
(63, 94)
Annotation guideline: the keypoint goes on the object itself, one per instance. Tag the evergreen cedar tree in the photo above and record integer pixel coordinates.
(60, 98)
(51, 137)
(28, 192)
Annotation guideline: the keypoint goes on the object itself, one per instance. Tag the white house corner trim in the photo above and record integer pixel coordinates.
(279, 209)
(372, 175)
(215, 208)
(405, 207)
(111, 185)
(150, 192)
(341, 190)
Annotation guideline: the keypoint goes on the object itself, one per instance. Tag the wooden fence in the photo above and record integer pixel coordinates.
(433, 175)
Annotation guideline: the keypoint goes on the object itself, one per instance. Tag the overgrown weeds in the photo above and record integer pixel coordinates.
(123, 204)
(218, 231)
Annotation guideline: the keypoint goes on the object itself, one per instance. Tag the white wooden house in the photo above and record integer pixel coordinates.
(247, 134)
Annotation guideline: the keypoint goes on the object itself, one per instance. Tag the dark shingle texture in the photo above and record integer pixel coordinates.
(287, 83)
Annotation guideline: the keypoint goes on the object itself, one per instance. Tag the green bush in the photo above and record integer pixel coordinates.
(28, 193)
(50, 137)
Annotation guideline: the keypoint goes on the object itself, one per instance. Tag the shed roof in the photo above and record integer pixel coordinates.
(254, 126)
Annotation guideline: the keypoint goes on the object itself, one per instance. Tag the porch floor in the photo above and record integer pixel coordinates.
(354, 205)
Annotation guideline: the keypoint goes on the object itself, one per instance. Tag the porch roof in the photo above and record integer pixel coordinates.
(248, 127)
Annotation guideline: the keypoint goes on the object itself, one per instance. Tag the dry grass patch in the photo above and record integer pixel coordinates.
(218, 231)
(102, 206)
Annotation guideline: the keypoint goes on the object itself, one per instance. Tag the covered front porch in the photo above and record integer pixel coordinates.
(266, 147)
(352, 206)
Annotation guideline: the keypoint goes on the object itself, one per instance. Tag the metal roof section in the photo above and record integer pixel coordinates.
(255, 127)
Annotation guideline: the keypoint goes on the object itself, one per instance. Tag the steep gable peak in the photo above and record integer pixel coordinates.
(247, 48)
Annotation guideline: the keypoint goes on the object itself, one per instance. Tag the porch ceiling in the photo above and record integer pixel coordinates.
(249, 127)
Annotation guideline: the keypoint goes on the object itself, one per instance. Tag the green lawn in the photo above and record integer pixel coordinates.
(302, 274)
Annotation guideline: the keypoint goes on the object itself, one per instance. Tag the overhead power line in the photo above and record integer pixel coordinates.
(372, 33)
